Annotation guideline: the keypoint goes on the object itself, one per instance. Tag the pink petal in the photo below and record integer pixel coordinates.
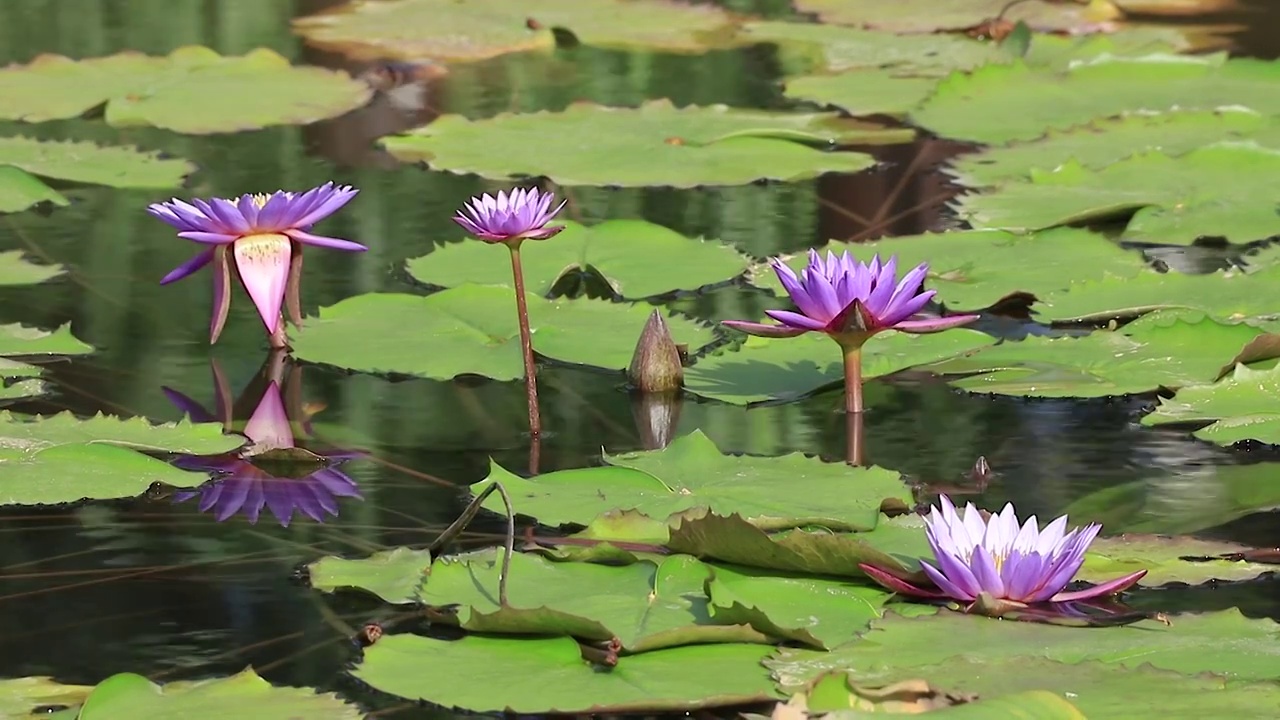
(263, 262)
(1111, 587)
(763, 330)
(269, 426)
(896, 584)
(307, 238)
(928, 325)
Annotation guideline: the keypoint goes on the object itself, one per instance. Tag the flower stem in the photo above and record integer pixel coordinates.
(853, 379)
(854, 439)
(526, 343)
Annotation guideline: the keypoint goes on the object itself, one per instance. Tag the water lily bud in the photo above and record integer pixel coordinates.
(655, 366)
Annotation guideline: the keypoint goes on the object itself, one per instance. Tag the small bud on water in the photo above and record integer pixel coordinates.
(655, 366)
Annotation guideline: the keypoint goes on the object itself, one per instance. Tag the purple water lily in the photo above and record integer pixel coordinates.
(264, 234)
(248, 489)
(1002, 561)
(511, 218)
(850, 301)
(521, 214)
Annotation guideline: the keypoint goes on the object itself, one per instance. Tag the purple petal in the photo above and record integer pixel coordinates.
(334, 201)
(227, 214)
(882, 291)
(933, 324)
(189, 407)
(984, 570)
(307, 238)
(822, 292)
(272, 215)
(1021, 574)
(248, 207)
(207, 237)
(1111, 587)
(763, 330)
(903, 309)
(952, 590)
(795, 320)
(799, 295)
(187, 268)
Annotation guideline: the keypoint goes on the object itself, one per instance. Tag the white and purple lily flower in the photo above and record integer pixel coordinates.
(264, 234)
(1019, 564)
(521, 214)
(851, 300)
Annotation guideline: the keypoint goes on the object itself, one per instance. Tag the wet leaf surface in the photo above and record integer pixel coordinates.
(1239, 407)
(244, 695)
(391, 575)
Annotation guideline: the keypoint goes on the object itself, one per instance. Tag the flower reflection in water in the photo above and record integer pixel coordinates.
(273, 471)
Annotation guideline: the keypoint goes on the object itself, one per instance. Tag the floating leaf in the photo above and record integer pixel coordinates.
(816, 612)
(837, 49)
(472, 330)
(1173, 194)
(243, 695)
(20, 190)
(637, 259)
(1163, 350)
(30, 433)
(455, 31)
(788, 368)
(692, 473)
(20, 341)
(973, 269)
(549, 675)
(1000, 103)
(1220, 642)
(16, 270)
(930, 15)
(72, 472)
(392, 575)
(191, 90)
(1241, 407)
(1167, 559)
(20, 697)
(1231, 294)
(81, 162)
(863, 92)
(1103, 142)
(645, 605)
(654, 144)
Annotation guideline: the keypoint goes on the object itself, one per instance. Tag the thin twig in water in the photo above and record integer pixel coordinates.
(468, 514)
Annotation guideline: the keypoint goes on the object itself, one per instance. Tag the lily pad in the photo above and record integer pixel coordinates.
(1224, 642)
(1229, 294)
(15, 269)
(789, 368)
(973, 269)
(817, 612)
(20, 190)
(454, 31)
(1103, 142)
(644, 605)
(1221, 178)
(392, 575)
(20, 341)
(549, 675)
(926, 16)
(243, 695)
(1005, 102)
(863, 92)
(20, 697)
(1166, 560)
(84, 162)
(30, 433)
(472, 330)
(637, 259)
(1164, 350)
(73, 472)
(836, 49)
(192, 90)
(1239, 407)
(692, 473)
(656, 144)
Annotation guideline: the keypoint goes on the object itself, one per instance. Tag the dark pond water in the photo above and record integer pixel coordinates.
(158, 587)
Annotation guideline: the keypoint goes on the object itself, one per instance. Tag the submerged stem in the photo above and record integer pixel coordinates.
(526, 342)
(853, 379)
(468, 514)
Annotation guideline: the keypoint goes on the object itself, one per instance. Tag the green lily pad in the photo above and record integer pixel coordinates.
(656, 144)
(863, 92)
(472, 330)
(1221, 178)
(789, 368)
(1224, 642)
(836, 49)
(637, 259)
(15, 269)
(1001, 103)
(1181, 504)
(1163, 350)
(243, 695)
(549, 675)
(30, 433)
(84, 162)
(1229, 294)
(73, 472)
(1239, 407)
(19, 697)
(1164, 559)
(926, 16)
(20, 190)
(391, 575)
(1103, 142)
(20, 341)
(692, 473)
(646, 605)
(972, 269)
(192, 90)
(1099, 690)
(813, 611)
(455, 31)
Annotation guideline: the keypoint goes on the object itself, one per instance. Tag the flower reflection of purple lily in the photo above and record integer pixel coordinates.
(272, 471)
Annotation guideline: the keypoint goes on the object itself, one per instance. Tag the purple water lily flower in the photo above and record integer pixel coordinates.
(1001, 560)
(850, 301)
(264, 234)
(521, 214)
(248, 489)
